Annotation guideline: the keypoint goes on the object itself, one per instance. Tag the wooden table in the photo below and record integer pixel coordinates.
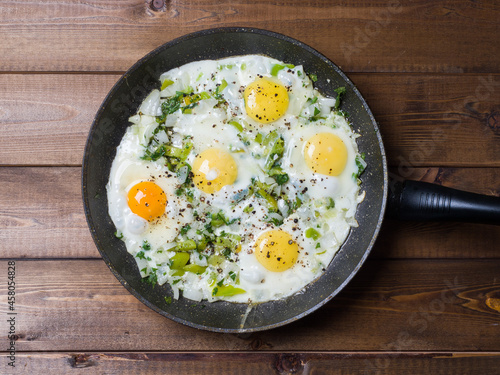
(428, 298)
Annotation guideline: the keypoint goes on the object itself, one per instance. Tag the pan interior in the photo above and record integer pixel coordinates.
(109, 127)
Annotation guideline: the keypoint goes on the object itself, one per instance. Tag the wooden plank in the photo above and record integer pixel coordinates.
(41, 216)
(390, 306)
(45, 119)
(435, 120)
(138, 363)
(111, 36)
(425, 120)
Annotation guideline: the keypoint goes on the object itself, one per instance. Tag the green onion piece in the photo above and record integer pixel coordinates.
(228, 241)
(166, 83)
(226, 291)
(276, 68)
(178, 273)
(173, 152)
(204, 95)
(258, 138)
(216, 223)
(194, 268)
(237, 125)
(272, 203)
(215, 260)
(185, 246)
(179, 260)
(312, 233)
(220, 88)
(201, 245)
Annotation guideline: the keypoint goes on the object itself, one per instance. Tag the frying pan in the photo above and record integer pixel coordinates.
(123, 101)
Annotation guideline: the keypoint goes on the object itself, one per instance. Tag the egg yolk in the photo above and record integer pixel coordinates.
(213, 169)
(147, 200)
(266, 100)
(326, 153)
(276, 250)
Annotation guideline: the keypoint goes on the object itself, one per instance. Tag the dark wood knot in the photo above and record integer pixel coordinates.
(158, 5)
(82, 360)
(493, 121)
(289, 364)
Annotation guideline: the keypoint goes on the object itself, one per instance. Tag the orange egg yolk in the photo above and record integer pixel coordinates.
(147, 200)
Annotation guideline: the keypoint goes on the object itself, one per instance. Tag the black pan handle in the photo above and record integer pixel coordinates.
(416, 200)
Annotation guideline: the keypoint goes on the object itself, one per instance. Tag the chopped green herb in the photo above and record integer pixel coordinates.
(168, 300)
(281, 178)
(187, 109)
(331, 203)
(313, 77)
(316, 116)
(361, 166)
(140, 255)
(312, 100)
(226, 252)
(340, 92)
(151, 279)
(185, 229)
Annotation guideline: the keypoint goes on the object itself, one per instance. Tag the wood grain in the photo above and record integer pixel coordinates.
(435, 120)
(103, 35)
(425, 120)
(390, 306)
(41, 216)
(45, 119)
(216, 363)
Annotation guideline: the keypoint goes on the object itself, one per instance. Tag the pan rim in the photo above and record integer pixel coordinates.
(183, 39)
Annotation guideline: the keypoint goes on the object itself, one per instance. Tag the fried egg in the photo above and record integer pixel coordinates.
(236, 180)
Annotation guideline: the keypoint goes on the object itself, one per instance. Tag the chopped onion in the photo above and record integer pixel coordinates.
(182, 174)
(193, 294)
(151, 105)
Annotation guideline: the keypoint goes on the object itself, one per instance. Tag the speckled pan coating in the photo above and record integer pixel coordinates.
(111, 122)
